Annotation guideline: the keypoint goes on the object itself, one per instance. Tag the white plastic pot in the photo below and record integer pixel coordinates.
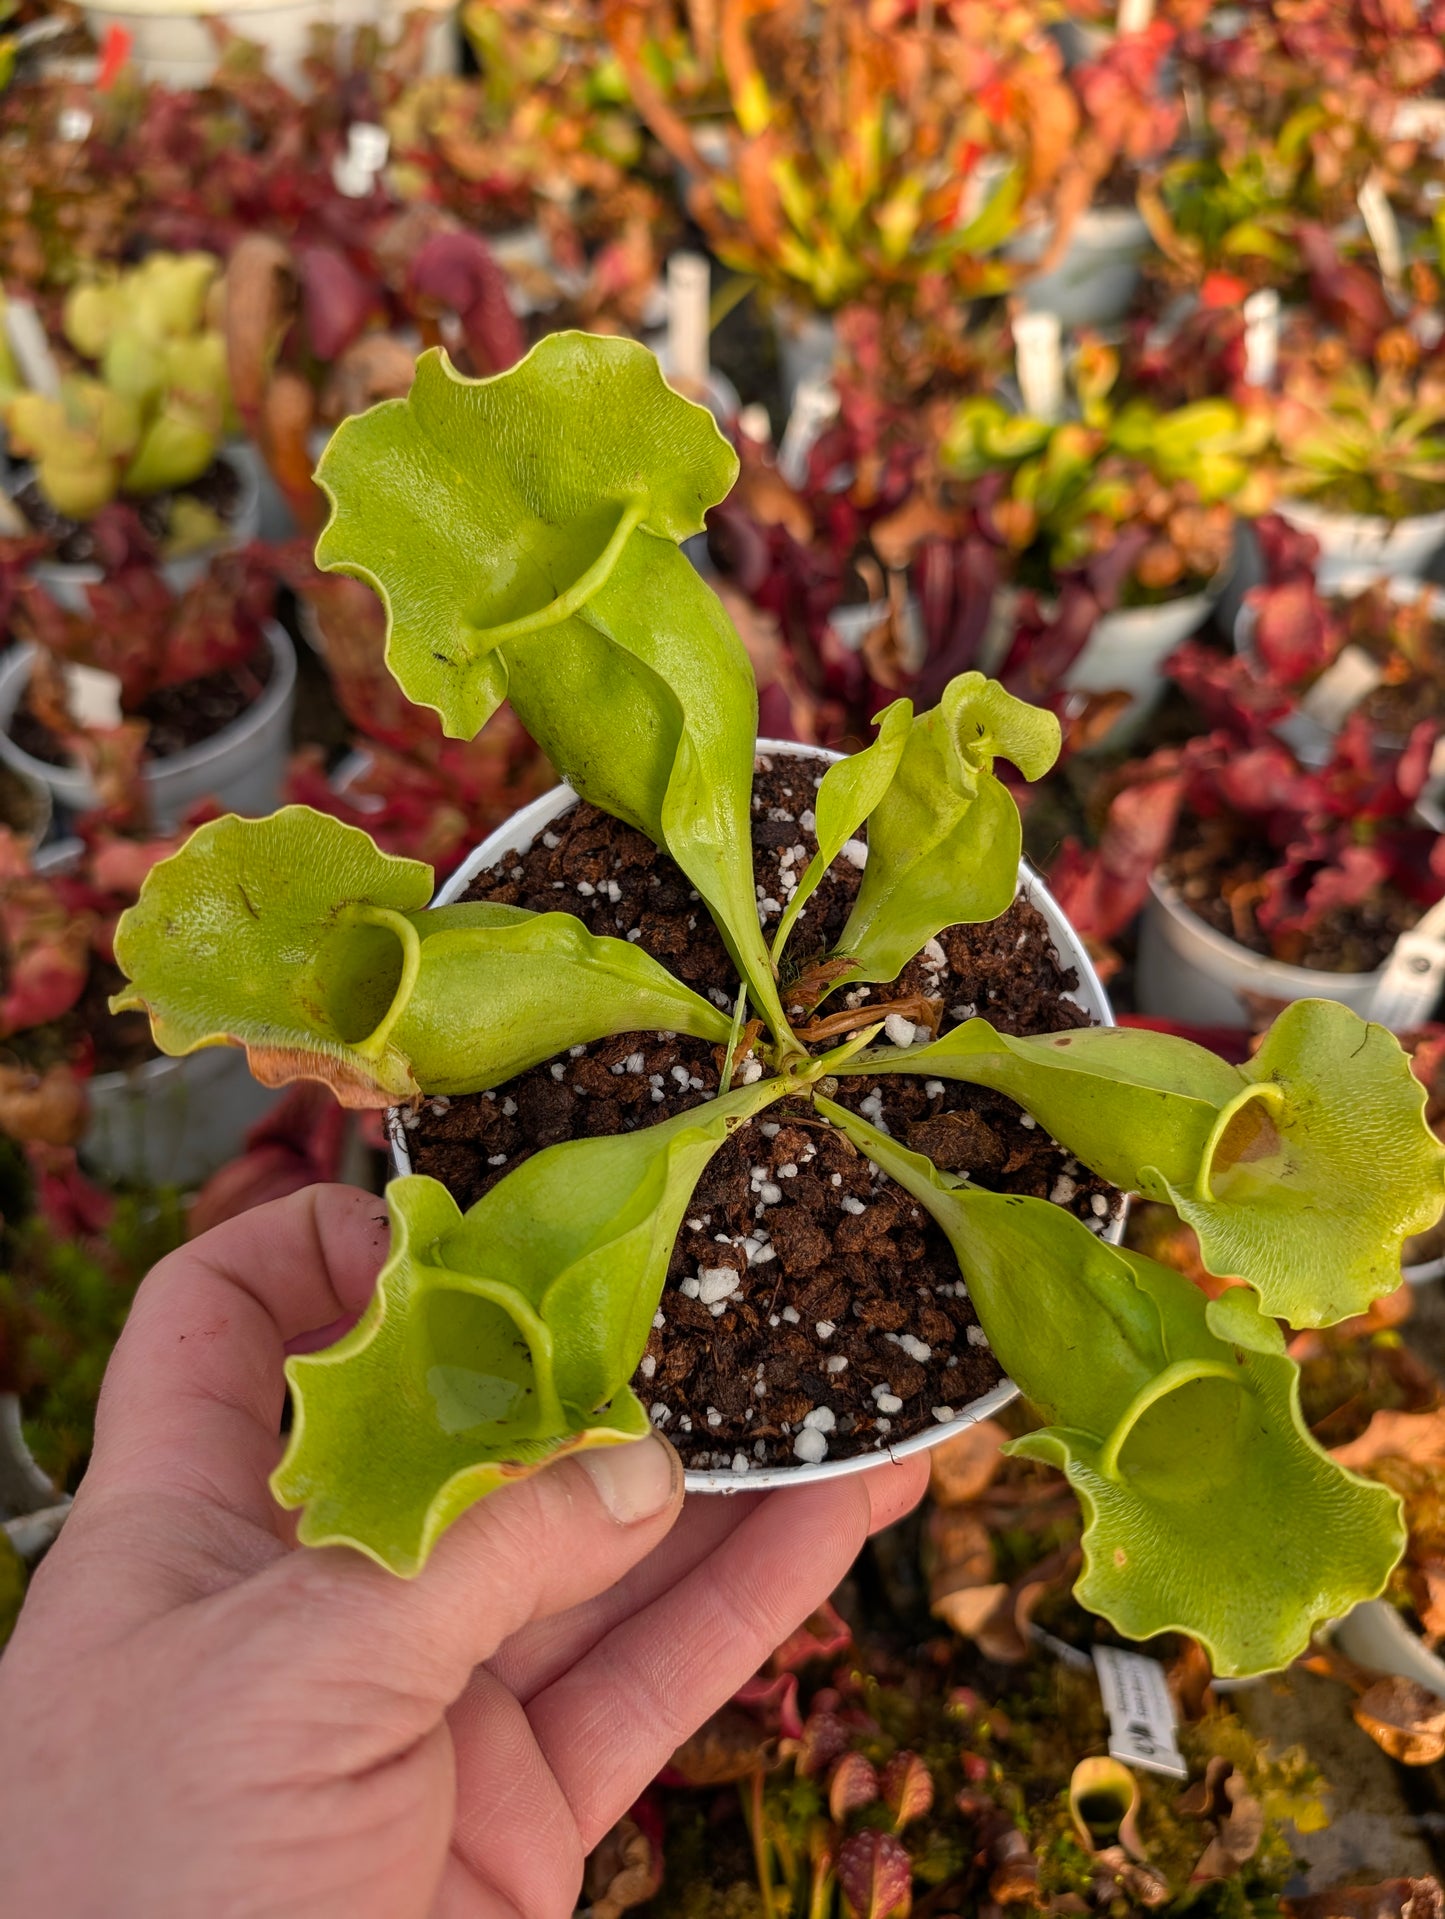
(1126, 650)
(1190, 974)
(807, 347)
(243, 766)
(173, 1122)
(66, 583)
(1096, 280)
(1311, 730)
(516, 836)
(171, 42)
(1364, 543)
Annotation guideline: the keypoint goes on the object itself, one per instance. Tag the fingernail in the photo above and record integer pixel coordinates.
(635, 1481)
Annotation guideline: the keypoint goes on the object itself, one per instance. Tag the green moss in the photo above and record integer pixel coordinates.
(62, 1306)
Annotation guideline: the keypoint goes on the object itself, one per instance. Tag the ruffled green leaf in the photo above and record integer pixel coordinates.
(1318, 1171)
(944, 842)
(1303, 1172)
(522, 533)
(849, 791)
(497, 1339)
(294, 937)
(1177, 1421)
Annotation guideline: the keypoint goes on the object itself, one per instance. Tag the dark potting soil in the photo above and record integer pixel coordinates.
(177, 716)
(218, 488)
(89, 1037)
(120, 1040)
(848, 1304)
(1219, 868)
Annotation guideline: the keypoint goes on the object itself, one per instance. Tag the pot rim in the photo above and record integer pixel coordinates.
(1167, 896)
(239, 454)
(1309, 514)
(261, 712)
(516, 835)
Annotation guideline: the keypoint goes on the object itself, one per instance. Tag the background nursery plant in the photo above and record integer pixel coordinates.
(524, 535)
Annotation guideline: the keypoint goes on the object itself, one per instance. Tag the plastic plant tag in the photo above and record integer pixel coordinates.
(1347, 680)
(92, 695)
(1382, 227)
(1261, 337)
(25, 331)
(1142, 1720)
(815, 406)
(1038, 342)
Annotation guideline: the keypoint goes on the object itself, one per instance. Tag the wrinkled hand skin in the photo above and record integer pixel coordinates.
(200, 1718)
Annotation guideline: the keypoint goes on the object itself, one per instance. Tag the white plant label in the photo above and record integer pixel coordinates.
(1339, 689)
(689, 288)
(26, 333)
(1142, 1721)
(367, 149)
(1382, 227)
(93, 696)
(1261, 337)
(73, 123)
(1039, 351)
(1133, 16)
(815, 406)
(853, 624)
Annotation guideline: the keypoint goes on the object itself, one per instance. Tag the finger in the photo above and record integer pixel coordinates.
(540, 1654)
(540, 1546)
(608, 1724)
(896, 1492)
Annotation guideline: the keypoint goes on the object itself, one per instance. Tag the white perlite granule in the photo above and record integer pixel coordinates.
(810, 1446)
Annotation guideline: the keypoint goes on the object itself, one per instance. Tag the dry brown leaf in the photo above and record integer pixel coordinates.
(962, 1468)
(624, 1871)
(1405, 1719)
(1395, 1435)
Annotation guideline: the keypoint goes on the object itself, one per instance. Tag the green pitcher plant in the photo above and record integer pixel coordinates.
(524, 535)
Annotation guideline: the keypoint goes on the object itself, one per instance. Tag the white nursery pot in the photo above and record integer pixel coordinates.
(171, 42)
(1096, 280)
(1365, 543)
(807, 347)
(516, 836)
(1190, 974)
(1127, 649)
(243, 766)
(173, 1122)
(1310, 739)
(66, 583)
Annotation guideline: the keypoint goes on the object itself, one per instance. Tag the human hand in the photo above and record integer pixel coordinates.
(200, 1721)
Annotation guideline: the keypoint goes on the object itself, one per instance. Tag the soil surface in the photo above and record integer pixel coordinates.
(178, 716)
(847, 1317)
(1219, 867)
(218, 488)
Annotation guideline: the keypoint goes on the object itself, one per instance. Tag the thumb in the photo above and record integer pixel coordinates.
(538, 1547)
